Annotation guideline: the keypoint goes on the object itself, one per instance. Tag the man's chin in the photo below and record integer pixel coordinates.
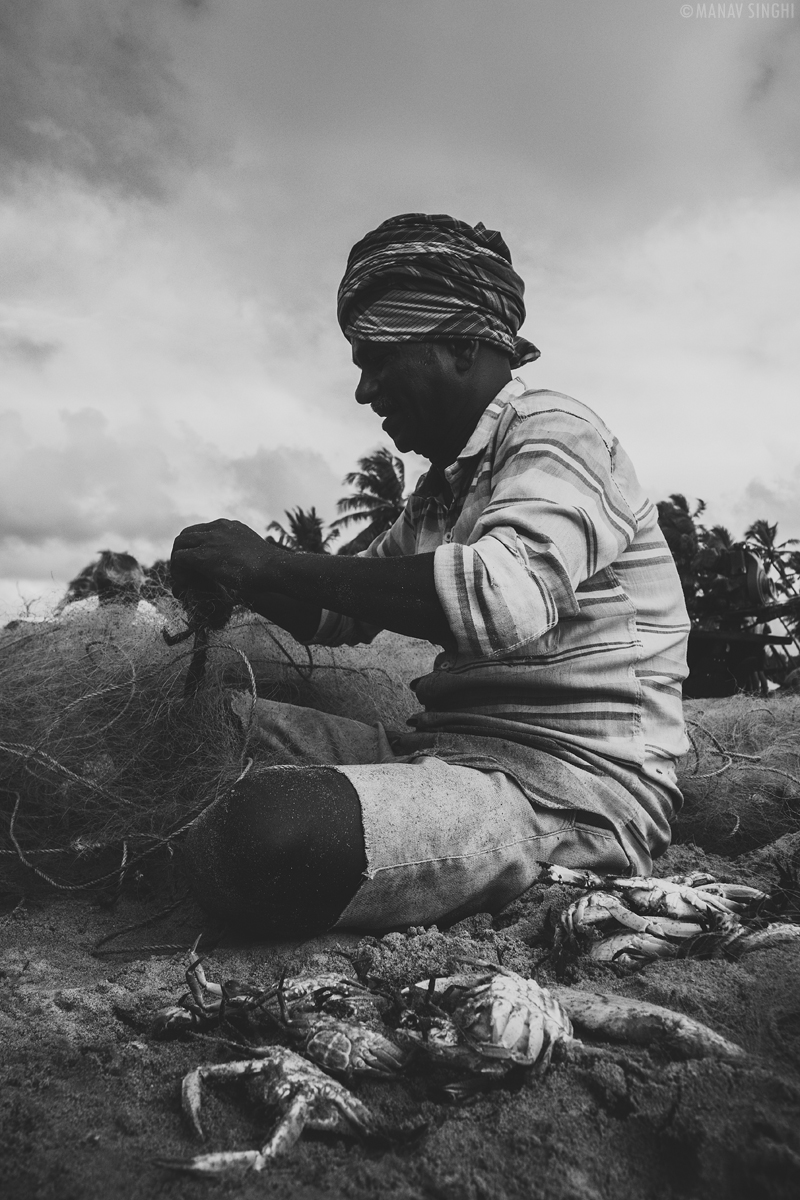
(405, 441)
(395, 434)
(403, 444)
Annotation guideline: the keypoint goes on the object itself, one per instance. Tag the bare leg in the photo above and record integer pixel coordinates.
(283, 853)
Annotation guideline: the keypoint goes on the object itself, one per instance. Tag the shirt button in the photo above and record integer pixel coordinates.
(448, 537)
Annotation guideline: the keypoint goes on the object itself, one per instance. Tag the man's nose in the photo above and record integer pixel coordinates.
(365, 390)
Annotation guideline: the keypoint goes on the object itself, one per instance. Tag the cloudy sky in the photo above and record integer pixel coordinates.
(181, 181)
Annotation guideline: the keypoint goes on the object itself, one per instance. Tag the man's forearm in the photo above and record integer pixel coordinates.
(298, 619)
(395, 593)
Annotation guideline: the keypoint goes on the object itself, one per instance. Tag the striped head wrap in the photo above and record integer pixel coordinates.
(431, 278)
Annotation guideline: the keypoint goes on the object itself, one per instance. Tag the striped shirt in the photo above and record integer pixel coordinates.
(565, 606)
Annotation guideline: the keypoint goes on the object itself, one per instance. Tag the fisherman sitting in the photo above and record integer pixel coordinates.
(529, 553)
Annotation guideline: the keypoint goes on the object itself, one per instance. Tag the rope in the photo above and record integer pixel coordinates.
(730, 755)
(164, 912)
(304, 673)
(159, 842)
(23, 750)
(254, 697)
(161, 948)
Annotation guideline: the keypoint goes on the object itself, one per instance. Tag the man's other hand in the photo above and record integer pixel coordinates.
(226, 553)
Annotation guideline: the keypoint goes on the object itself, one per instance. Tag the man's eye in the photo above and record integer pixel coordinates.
(373, 359)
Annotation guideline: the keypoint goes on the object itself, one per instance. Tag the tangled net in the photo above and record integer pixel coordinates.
(101, 752)
(104, 761)
(741, 780)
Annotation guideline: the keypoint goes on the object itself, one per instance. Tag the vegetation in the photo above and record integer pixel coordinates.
(714, 592)
(306, 531)
(378, 498)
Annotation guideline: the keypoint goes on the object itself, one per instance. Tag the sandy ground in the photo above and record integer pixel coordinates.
(89, 1100)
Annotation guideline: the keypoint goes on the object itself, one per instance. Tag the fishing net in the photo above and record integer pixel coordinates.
(101, 753)
(104, 761)
(741, 780)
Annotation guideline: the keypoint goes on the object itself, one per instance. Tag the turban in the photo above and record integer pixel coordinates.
(431, 278)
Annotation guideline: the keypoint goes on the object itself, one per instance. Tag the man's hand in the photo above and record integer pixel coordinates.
(391, 593)
(226, 553)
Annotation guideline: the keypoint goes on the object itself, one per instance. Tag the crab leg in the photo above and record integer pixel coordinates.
(215, 1164)
(287, 1131)
(624, 1020)
(630, 948)
(191, 1088)
(776, 934)
(199, 986)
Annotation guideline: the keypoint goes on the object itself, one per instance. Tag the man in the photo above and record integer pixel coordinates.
(529, 553)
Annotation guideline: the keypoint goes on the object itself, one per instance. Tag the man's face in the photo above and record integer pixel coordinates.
(410, 385)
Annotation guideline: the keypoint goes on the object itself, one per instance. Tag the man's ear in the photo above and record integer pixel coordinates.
(465, 353)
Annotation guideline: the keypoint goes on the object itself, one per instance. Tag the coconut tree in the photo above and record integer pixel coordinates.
(306, 531)
(378, 498)
(683, 534)
(718, 537)
(762, 537)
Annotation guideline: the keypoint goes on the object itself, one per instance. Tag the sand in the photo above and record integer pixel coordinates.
(89, 1100)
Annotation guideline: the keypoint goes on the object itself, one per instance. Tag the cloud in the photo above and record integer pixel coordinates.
(88, 88)
(684, 338)
(778, 500)
(132, 487)
(90, 484)
(143, 481)
(32, 352)
(270, 481)
(183, 182)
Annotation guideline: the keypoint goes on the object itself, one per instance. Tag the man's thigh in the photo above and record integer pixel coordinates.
(445, 841)
(292, 735)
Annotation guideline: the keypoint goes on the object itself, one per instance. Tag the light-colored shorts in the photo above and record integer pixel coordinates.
(442, 840)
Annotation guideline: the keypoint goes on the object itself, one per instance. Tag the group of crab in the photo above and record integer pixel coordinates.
(631, 921)
(476, 1026)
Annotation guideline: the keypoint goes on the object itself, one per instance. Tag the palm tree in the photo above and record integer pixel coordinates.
(718, 537)
(379, 482)
(762, 537)
(305, 532)
(683, 534)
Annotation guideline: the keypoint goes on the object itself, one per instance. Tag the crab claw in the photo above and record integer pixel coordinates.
(216, 1164)
(551, 873)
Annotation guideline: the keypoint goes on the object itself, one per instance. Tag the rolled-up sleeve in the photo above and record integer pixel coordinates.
(555, 517)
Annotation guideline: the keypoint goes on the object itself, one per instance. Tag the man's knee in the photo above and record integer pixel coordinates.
(283, 851)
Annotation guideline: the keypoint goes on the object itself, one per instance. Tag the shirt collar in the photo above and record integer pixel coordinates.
(482, 433)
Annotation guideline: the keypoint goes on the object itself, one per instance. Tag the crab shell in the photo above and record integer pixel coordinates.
(503, 1017)
(348, 1049)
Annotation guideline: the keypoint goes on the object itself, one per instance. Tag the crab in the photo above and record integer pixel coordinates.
(344, 1048)
(494, 1019)
(334, 1021)
(207, 1005)
(630, 921)
(484, 1024)
(505, 1020)
(305, 1097)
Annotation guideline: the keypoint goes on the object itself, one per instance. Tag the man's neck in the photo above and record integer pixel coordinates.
(467, 411)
